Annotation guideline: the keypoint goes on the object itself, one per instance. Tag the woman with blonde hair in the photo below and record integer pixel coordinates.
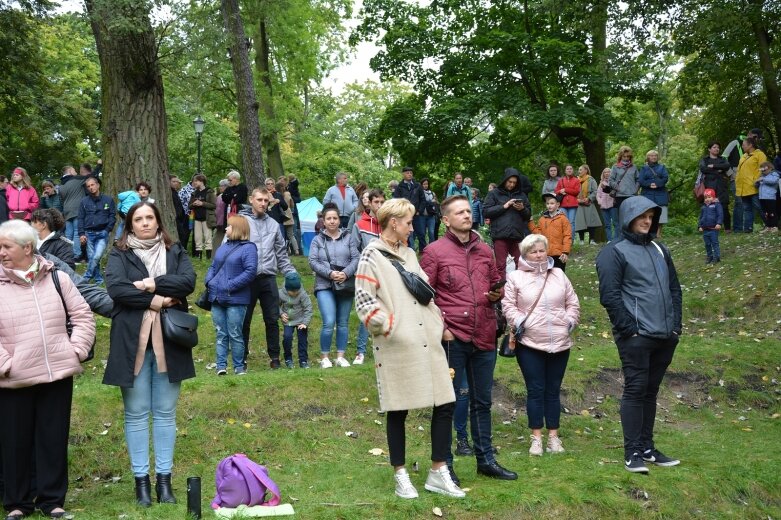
(623, 177)
(21, 196)
(228, 280)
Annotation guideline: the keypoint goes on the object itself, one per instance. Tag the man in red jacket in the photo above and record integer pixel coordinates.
(462, 270)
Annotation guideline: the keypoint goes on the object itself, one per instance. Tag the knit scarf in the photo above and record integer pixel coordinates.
(584, 185)
(151, 251)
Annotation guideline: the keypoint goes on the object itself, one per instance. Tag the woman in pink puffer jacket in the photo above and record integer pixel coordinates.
(542, 351)
(37, 363)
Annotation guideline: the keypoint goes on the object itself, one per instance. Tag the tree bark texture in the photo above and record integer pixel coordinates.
(268, 136)
(133, 119)
(766, 65)
(249, 127)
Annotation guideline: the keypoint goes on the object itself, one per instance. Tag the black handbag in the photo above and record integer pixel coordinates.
(68, 324)
(416, 285)
(346, 287)
(517, 332)
(179, 327)
(504, 347)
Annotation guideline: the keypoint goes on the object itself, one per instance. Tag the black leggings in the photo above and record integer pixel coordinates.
(441, 434)
(591, 231)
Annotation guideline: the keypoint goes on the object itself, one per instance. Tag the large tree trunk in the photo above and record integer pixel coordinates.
(594, 147)
(249, 127)
(269, 136)
(766, 65)
(132, 108)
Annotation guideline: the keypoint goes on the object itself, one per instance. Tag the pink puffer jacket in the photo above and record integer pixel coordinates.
(557, 313)
(34, 345)
(25, 200)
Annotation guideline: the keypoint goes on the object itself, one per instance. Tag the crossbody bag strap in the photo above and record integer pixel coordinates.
(225, 261)
(395, 263)
(56, 280)
(539, 295)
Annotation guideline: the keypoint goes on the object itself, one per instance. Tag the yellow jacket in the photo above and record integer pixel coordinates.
(748, 173)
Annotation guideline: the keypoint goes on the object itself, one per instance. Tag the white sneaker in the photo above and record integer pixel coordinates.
(536, 447)
(358, 359)
(404, 487)
(554, 444)
(325, 363)
(342, 362)
(439, 481)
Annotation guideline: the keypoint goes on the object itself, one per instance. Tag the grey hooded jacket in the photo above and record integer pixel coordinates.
(638, 284)
(264, 232)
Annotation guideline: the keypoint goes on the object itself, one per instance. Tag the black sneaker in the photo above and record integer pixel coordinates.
(463, 448)
(635, 464)
(655, 456)
(274, 364)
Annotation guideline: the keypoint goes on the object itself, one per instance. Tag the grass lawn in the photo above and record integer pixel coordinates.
(718, 412)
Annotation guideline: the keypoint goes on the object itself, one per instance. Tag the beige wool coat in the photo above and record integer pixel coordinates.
(412, 370)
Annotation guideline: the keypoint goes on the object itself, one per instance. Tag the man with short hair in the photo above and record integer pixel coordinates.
(462, 270)
(344, 197)
(639, 289)
(457, 187)
(366, 230)
(71, 192)
(97, 214)
(272, 258)
(410, 189)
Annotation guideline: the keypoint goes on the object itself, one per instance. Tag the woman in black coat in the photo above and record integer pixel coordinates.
(49, 224)
(147, 272)
(714, 168)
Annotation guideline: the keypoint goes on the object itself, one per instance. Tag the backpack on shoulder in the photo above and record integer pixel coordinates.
(242, 481)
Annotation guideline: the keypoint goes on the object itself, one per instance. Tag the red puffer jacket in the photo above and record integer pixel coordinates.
(572, 185)
(462, 274)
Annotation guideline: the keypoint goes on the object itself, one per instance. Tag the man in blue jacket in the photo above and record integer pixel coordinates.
(97, 214)
(638, 286)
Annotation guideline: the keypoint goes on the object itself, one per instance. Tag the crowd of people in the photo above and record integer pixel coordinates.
(431, 305)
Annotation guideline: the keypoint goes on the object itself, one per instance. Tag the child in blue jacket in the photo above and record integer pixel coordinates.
(710, 222)
(768, 189)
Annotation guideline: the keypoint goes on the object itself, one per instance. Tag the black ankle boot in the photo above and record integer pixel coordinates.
(208, 254)
(143, 491)
(165, 495)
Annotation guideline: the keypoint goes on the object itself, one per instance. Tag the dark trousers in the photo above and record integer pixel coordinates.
(543, 373)
(711, 239)
(478, 368)
(264, 289)
(461, 412)
(502, 248)
(441, 424)
(644, 362)
(558, 263)
(419, 230)
(37, 425)
(303, 343)
(769, 212)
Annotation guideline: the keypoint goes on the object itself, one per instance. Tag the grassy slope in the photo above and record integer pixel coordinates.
(718, 413)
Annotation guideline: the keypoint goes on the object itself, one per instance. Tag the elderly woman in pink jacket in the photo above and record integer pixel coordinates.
(543, 310)
(38, 359)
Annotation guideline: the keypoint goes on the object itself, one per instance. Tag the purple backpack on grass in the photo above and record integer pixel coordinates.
(241, 481)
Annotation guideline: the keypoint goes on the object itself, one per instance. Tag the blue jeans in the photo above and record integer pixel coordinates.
(610, 216)
(228, 321)
(96, 246)
(303, 343)
(429, 227)
(151, 392)
(72, 234)
(711, 238)
(120, 227)
(335, 311)
(419, 232)
(363, 339)
(571, 213)
(461, 413)
(737, 209)
(478, 367)
(543, 373)
(749, 203)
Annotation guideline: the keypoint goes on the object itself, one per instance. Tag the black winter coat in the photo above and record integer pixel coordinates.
(60, 247)
(716, 178)
(413, 193)
(3, 207)
(508, 223)
(124, 268)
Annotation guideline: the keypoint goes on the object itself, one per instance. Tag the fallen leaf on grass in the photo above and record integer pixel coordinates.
(351, 434)
(376, 451)
(104, 432)
(775, 416)
(365, 400)
(377, 422)
(247, 425)
(231, 421)
(747, 429)
(584, 413)
(293, 499)
(437, 511)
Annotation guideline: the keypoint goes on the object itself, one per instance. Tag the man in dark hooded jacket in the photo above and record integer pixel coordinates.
(639, 288)
(509, 209)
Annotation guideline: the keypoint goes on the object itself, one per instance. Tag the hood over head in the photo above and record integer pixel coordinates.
(511, 172)
(635, 206)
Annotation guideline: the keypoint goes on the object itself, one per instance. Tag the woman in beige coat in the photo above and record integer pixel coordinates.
(412, 370)
(38, 359)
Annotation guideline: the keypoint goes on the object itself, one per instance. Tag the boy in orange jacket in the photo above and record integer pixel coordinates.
(557, 229)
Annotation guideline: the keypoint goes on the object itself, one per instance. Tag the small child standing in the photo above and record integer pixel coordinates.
(557, 229)
(709, 224)
(296, 313)
(768, 189)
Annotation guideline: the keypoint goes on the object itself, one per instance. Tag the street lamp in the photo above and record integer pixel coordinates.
(198, 124)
